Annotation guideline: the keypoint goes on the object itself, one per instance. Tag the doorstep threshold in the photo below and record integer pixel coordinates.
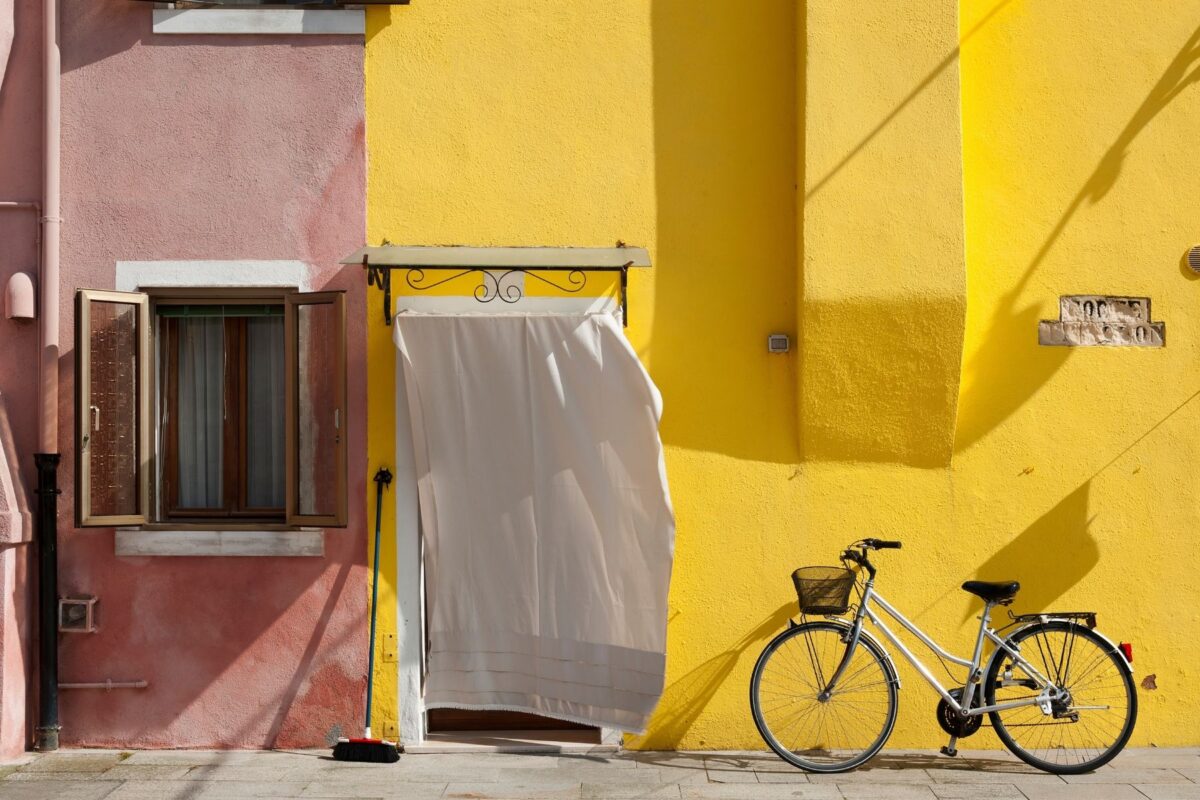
(528, 742)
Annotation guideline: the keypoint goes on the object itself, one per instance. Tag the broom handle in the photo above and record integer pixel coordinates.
(383, 477)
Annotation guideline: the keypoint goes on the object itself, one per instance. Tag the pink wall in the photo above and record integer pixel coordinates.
(20, 179)
(226, 148)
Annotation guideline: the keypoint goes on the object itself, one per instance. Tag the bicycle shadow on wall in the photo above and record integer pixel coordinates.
(1049, 557)
(685, 699)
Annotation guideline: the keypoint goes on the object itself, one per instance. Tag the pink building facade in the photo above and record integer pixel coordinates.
(216, 174)
(20, 184)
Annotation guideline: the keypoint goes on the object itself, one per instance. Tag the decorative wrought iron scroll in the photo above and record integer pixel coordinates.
(494, 283)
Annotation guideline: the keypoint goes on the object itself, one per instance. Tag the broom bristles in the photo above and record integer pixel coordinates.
(377, 751)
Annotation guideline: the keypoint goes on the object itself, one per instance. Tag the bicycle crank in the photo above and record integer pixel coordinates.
(953, 722)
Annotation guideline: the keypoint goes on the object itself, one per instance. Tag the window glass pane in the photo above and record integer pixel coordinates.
(201, 412)
(318, 336)
(113, 409)
(265, 456)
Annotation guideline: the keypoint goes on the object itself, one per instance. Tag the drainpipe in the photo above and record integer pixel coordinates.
(47, 457)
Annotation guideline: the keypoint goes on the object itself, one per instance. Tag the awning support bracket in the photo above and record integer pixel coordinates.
(381, 277)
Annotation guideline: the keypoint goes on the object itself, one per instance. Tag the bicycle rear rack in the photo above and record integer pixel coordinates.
(1086, 617)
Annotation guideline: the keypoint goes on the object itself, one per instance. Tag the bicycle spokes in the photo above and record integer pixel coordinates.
(1084, 714)
(813, 728)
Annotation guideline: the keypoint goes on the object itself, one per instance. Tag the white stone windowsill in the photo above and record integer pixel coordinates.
(138, 542)
(286, 21)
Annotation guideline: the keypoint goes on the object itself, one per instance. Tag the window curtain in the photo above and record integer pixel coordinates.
(549, 534)
(264, 418)
(201, 387)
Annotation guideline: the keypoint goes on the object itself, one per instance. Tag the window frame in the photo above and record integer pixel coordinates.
(234, 477)
(84, 518)
(152, 439)
(339, 519)
(165, 514)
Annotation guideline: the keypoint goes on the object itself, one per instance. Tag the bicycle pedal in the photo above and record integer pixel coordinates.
(946, 751)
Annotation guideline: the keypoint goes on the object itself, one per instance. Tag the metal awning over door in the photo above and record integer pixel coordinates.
(563, 268)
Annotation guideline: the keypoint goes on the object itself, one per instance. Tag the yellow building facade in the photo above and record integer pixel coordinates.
(905, 188)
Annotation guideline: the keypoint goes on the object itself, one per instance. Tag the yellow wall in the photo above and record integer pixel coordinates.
(1072, 467)
(939, 201)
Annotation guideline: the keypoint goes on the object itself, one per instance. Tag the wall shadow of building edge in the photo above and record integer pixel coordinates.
(725, 263)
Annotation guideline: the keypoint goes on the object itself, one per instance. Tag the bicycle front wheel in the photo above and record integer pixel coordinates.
(1084, 730)
(806, 729)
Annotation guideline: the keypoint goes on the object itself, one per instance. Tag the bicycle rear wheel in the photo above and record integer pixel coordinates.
(823, 735)
(1091, 726)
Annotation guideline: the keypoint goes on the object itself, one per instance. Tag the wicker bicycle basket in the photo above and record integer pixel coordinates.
(823, 590)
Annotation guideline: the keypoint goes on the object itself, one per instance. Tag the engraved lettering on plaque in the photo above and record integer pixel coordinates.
(1092, 320)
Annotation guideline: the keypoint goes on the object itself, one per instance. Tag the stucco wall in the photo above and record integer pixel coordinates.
(1073, 466)
(212, 148)
(20, 179)
(687, 132)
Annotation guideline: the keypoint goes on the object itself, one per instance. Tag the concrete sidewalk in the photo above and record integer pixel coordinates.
(1153, 774)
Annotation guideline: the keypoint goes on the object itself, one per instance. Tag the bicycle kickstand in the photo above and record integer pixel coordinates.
(950, 749)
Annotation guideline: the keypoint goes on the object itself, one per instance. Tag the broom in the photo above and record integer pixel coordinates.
(367, 748)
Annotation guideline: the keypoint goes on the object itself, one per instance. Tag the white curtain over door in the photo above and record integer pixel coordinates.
(549, 534)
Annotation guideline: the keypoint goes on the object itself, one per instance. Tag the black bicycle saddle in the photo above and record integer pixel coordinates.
(993, 591)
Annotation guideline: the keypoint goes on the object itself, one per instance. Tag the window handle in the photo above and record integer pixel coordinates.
(337, 424)
(94, 413)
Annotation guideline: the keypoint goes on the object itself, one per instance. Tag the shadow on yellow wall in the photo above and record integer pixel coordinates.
(725, 268)
(950, 59)
(1009, 366)
(1049, 557)
(686, 698)
(1058, 550)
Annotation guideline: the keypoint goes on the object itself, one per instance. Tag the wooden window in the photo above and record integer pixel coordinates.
(315, 338)
(222, 394)
(112, 411)
(230, 451)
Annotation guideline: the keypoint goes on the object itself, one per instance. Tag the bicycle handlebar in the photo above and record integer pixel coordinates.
(860, 556)
(882, 544)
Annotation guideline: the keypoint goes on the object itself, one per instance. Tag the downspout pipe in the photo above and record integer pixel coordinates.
(51, 228)
(46, 734)
(47, 458)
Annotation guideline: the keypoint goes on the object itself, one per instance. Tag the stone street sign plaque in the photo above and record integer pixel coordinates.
(1094, 320)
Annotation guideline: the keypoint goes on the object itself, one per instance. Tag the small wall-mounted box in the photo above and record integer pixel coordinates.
(77, 614)
(778, 343)
(19, 297)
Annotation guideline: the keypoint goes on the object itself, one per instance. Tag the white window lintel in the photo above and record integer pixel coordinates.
(283, 21)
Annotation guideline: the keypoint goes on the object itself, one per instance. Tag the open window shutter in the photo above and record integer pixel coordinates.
(112, 409)
(315, 344)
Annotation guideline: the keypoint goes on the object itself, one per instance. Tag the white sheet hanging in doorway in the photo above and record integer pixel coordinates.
(549, 534)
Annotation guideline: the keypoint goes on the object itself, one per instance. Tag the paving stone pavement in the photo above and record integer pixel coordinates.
(1149, 774)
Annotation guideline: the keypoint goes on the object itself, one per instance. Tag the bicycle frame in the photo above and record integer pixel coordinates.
(1047, 690)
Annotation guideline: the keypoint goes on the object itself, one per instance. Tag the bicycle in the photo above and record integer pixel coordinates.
(824, 693)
